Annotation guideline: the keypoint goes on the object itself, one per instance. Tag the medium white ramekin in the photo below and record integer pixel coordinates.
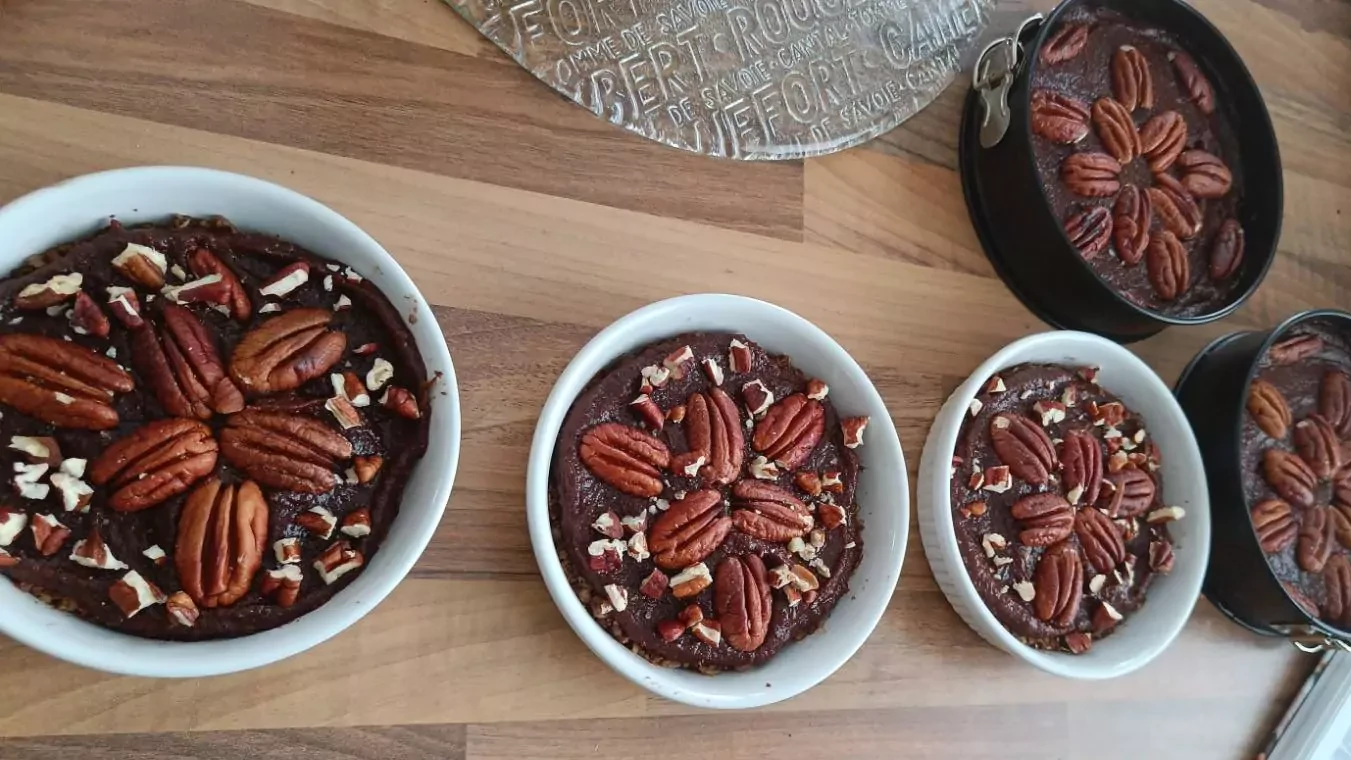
(883, 499)
(1148, 631)
(80, 206)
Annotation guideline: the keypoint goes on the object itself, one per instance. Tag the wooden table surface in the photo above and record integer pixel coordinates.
(531, 225)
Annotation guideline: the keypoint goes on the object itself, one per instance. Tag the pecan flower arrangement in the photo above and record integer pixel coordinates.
(1059, 505)
(702, 501)
(208, 430)
(1131, 144)
(1297, 457)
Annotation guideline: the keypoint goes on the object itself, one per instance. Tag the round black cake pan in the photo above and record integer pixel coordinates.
(1018, 228)
(1213, 392)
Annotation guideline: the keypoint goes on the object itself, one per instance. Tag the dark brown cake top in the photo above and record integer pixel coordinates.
(1058, 505)
(1137, 159)
(1296, 454)
(209, 430)
(703, 501)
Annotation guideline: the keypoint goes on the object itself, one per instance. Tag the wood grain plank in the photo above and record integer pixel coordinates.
(1014, 731)
(423, 22)
(897, 206)
(512, 658)
(347, 104)
(1125, 730)
(341, 91)
(429, 742)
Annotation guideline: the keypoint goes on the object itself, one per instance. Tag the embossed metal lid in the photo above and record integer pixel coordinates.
(747, 79)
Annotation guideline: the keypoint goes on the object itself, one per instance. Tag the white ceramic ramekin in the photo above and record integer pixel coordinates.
(883, 498)
(1152, 628)
(81, 206)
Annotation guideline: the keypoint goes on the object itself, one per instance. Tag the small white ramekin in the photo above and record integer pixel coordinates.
(1148, 631)
(80, 206)
(883, 498)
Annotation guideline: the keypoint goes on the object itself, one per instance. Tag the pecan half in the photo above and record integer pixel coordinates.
(689, 530)
(1316, 539)
(1175, 208)
(1317, 444)
(1289, 477)
(741, 598)
(1081, 459)
(183, 368)
(768, 512)
(1059, 582)
(1132, 493)
(625, 457)
(1195, 84)
(713, 431)
(1102, 543)
(60, 382)
(1274, 524)
(1162, 140)
(1089, 230)
(157, 461)
(1116, 129)
(1267, 406)
(222, 534)
(1093, 175)
(204, 263)
(285, 451)
(1168, 267)
(1295, 348)
(1204, 175)
(1334, 401)
(1337, 583)
(790, 430)
(1067, 42)
(285, 352)
(1131, 81)
(1226, 253)
(1045, 519)
(1132, 214)
(1059, 118)
(1024, 447)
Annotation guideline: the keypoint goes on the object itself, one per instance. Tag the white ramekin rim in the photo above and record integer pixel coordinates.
(79, 206)
(805, 663)
(1148, 632)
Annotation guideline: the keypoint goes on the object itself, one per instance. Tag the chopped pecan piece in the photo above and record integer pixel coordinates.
(204, 263)
(42, 295)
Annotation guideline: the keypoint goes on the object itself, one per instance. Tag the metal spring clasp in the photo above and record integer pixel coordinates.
(996, 68)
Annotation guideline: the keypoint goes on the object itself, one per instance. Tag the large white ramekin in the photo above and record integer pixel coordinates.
(83, 205)
(883, 498)
(1151, 629)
